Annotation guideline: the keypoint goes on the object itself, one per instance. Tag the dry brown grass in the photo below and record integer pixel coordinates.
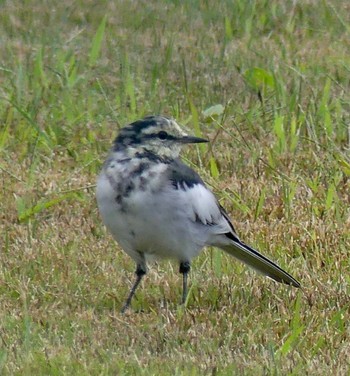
(63, 279)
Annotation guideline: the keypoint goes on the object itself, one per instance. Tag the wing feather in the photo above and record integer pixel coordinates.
(202, 207)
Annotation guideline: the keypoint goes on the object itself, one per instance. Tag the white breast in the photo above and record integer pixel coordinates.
(161, 220)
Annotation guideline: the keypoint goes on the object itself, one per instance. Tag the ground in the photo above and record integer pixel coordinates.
(268, 83)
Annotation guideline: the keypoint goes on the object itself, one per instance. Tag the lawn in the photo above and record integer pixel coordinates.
(268, 83)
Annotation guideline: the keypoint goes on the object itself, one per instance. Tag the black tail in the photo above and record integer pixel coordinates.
(259, 262)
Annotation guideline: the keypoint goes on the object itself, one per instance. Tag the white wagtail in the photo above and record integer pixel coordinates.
(156, 206)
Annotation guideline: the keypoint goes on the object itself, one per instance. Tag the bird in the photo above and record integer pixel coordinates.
(157, 207)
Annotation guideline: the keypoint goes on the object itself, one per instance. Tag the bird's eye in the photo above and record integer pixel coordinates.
(162, 135)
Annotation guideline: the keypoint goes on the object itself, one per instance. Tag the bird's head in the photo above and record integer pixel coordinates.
(159, 135)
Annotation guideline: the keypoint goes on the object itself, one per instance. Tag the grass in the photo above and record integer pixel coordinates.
(268, 83)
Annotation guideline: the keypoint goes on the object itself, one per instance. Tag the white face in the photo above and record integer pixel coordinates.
(156, 134)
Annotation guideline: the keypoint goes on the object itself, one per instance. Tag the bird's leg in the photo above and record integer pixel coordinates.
(140, 272)
(184, 269)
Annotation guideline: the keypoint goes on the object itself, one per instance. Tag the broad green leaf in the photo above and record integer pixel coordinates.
(259, 79)
(214, 168)
(213, 112)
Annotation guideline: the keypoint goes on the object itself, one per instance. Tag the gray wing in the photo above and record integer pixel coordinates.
(202, 207)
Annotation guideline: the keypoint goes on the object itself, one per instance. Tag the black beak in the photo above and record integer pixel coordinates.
(192, 140)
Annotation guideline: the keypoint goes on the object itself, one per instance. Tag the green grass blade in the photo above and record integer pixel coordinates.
(97, 42)
(260, 203)
(26, 213)
(214, 168)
